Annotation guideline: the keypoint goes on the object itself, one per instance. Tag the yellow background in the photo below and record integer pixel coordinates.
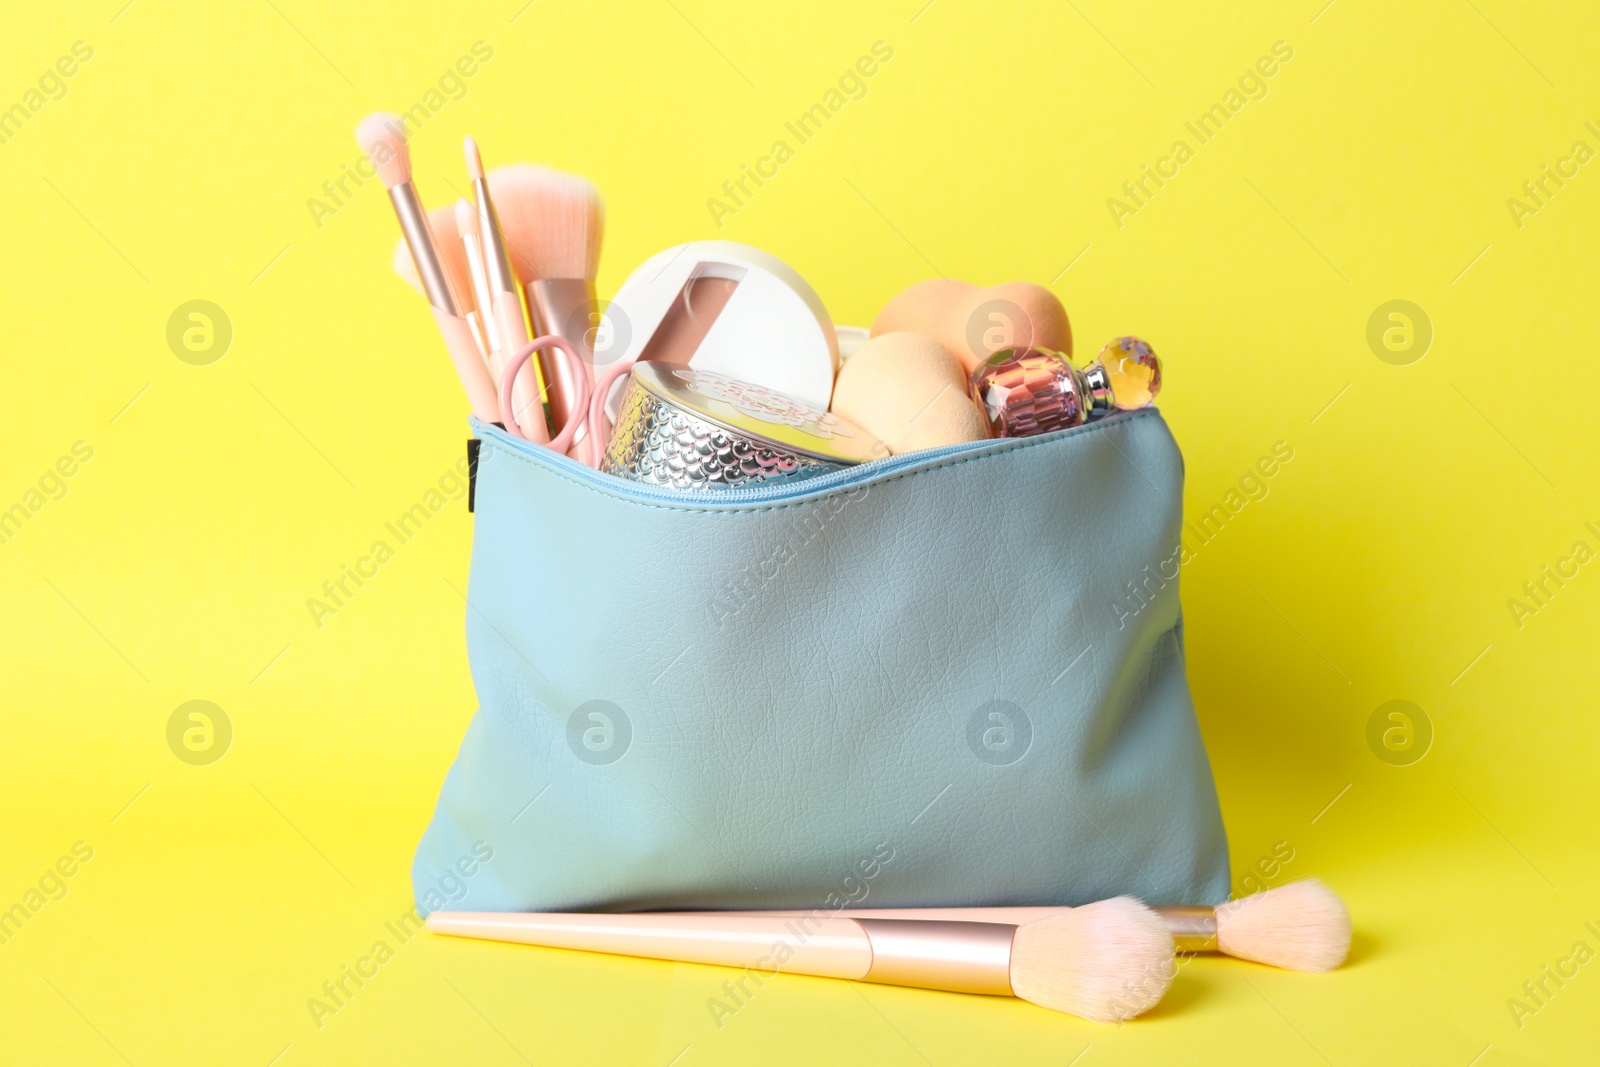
(177, 566)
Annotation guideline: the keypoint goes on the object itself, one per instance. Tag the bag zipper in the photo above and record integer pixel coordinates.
(770, 492)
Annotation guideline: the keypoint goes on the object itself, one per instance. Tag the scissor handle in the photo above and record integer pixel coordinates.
(598, 430)
(580, 410)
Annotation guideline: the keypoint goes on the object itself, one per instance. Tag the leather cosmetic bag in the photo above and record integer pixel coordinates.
(952, 677)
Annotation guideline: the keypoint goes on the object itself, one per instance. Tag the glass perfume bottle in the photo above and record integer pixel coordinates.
(1028, 391)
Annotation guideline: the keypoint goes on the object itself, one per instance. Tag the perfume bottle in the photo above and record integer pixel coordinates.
(1028, 391)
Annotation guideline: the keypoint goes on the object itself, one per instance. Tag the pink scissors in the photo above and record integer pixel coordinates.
(590, 406)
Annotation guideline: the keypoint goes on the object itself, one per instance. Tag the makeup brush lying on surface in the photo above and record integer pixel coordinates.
(1106, 961)
(1302, 926)
(382, 137)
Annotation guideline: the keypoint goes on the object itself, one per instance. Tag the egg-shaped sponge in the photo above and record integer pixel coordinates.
(972, 322)
(908, 391)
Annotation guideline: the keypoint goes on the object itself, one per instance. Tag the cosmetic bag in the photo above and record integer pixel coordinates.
(945, 678)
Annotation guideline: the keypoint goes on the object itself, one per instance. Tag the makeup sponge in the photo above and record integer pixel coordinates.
(973, 322)
(908, 391)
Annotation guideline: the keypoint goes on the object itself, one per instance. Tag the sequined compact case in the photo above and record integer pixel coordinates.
(692, 429)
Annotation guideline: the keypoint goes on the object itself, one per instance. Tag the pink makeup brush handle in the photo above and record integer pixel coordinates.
(468, 363)
(563, 440)
(508, 310)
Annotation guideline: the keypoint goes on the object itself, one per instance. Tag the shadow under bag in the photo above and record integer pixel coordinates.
(952, 677)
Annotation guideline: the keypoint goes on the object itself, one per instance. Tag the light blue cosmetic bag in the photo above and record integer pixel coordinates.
(952, 677)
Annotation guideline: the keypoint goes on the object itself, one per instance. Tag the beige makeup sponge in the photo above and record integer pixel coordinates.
(973, 322)
(908, 391)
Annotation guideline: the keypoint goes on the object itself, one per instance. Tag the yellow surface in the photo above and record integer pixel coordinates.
(176, 563)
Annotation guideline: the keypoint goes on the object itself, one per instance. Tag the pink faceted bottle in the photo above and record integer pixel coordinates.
(1028, 391)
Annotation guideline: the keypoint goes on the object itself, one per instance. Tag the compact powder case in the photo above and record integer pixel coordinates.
(685, 428)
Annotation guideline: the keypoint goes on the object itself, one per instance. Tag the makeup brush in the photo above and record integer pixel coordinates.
(470, 248)
(1302, 926)
(444, 222)
(1106, 961)
(382, 137)
(520, 404)
(496, 263)
(553, 224)
(455, 227)
(504, 288)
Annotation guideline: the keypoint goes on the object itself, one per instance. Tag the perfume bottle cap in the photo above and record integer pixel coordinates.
(1133, 372)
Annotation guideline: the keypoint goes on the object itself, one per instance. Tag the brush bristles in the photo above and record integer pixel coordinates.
(447, 238)
(1106, 961)
(469, 148)
(1302, 926)
(382, 136)
(553, 222)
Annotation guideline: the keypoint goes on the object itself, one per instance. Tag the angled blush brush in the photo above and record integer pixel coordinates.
(1106, 961)
(382, 137)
